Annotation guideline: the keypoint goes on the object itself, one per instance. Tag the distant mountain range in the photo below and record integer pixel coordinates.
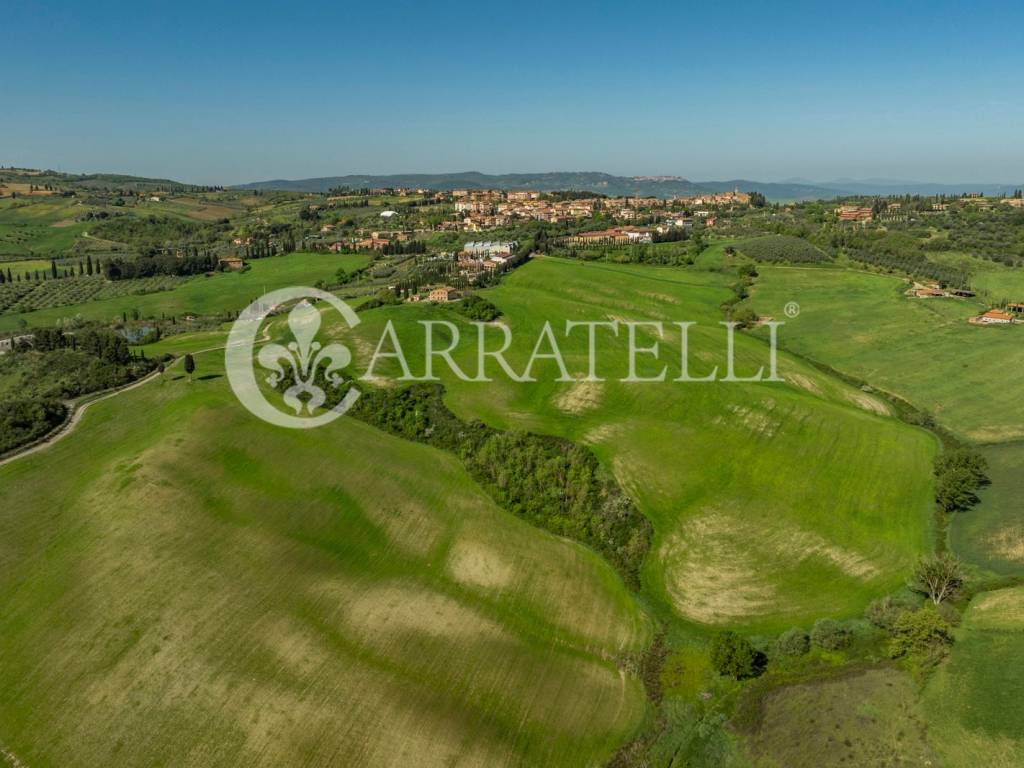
(644, 186)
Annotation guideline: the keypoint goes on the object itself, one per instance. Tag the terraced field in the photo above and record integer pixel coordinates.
(973, 702)
(176, 593)
(773, 504)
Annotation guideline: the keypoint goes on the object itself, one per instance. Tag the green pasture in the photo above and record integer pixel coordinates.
(923, 350)
(868, 720)
(221, 292)
(183, 584)
(42, 225)
(995, 282)
(992, 533)
(973, 701)
(773, 503)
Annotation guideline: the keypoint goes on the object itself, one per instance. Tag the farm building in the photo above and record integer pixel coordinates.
(993, 317)
(443, 294)
(231, 262)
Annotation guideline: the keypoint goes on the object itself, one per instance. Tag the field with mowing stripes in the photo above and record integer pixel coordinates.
(773, 504)
(992, 533)
(176, 593)
(973, 702)
(923, 350)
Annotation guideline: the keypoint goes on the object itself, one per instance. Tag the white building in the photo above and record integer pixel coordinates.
(485, 249)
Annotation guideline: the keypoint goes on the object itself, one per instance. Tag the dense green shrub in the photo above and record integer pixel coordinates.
(745, 317)
(478, 308)
(732, 655)
(923, 634)
(793, 642)
(883, 612)
(746, 270)
(23, 420)
(829, 635)
(958, 476)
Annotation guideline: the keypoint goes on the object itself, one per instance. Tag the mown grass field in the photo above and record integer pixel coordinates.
(992, 533)
(222, 292)
(185, 585)
(973, 702)
(773, 504)
(922, 350)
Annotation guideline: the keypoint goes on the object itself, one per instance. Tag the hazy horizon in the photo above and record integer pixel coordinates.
(216, 95)
(880, 181)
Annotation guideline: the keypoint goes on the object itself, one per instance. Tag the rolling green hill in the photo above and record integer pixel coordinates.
(773, 504)
(921, 350)
(176, 592)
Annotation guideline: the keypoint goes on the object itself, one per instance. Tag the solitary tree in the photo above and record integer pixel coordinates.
(190, 366)
(940, 578)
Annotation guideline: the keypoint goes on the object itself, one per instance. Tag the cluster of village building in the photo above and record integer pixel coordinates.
(479, 210)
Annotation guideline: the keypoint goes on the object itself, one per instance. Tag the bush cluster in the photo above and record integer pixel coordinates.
(830, 635)
(554, 483)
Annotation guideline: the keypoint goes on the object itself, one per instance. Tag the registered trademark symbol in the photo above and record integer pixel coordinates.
(792, 310)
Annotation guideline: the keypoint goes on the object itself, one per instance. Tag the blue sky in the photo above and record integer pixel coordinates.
(217, 93)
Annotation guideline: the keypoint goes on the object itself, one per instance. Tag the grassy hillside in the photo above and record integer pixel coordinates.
(222, 292)
(973, 702)
(922, 350)
(38, 225)
(773, 504)
(176, 593)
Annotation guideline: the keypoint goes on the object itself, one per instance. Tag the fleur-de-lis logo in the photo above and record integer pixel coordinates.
(304, 365)
(305, 356)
